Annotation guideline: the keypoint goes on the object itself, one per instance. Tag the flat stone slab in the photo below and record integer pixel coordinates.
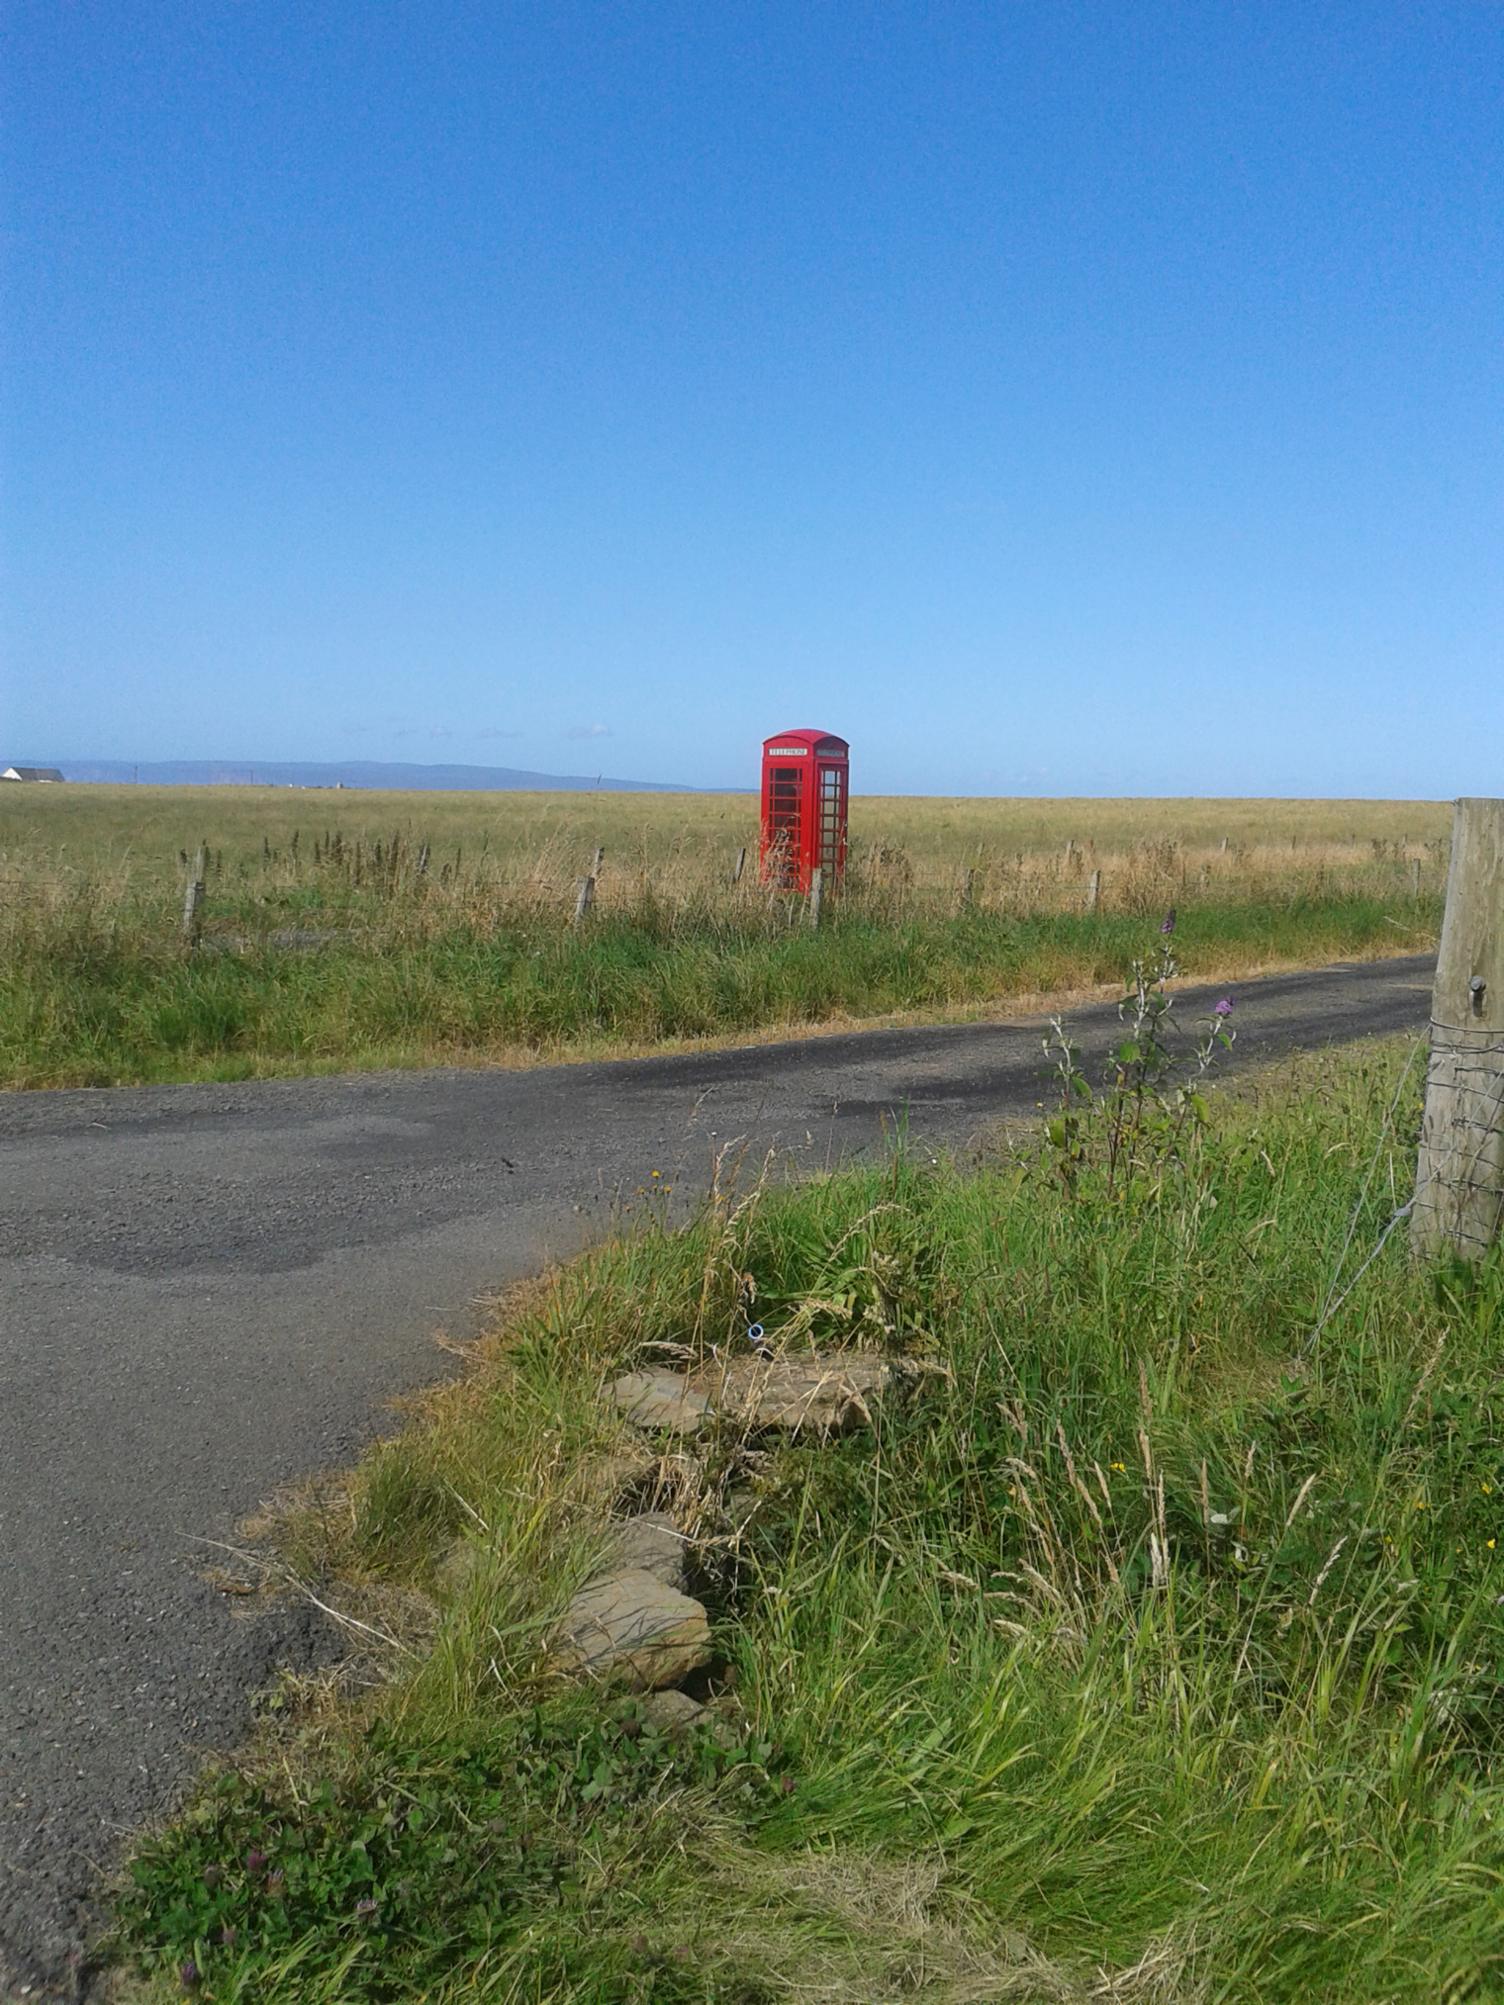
(793, 1395)
(796, 1395)
(652, 1544)
(630, 1628)
(661, 1401)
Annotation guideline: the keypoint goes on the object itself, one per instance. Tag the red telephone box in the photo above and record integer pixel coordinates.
(804, 788)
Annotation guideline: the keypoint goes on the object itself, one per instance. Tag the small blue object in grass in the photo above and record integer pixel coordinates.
(756, 1334)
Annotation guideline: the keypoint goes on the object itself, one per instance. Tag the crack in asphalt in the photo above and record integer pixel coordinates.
(207, 1292)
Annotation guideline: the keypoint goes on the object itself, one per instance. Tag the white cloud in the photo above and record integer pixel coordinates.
(588, 731)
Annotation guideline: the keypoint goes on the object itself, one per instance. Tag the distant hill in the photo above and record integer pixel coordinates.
(351, 773)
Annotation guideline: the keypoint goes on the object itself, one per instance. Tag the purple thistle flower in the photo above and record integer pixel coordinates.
(1167, 924)
(188, 1973)
(1223, 1008)
(365, 1907)
(255, 1860)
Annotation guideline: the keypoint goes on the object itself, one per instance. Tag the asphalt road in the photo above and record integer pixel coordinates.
(207, 1291)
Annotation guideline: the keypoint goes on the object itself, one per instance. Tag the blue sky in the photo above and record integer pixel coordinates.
(1048, 397)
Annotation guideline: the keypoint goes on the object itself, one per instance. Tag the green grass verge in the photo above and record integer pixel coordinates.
(1146, 1649)
(96, 1004)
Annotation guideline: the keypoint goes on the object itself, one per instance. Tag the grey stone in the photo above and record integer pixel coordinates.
(630, 1628)
(673, 1712)
(661, 1401)
(652, 1543)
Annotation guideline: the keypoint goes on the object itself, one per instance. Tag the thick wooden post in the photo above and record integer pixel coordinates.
(816, 894)
(1459, 1182)
(1094, 891)
(193, 898)
(740, 865)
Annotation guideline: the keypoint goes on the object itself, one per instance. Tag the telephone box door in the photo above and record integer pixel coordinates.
(830, 854)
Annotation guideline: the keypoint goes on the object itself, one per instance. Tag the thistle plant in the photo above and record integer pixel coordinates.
(1144, 1120)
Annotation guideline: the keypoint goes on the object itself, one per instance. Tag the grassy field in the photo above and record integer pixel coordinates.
(351, 930)
(1148, 1648)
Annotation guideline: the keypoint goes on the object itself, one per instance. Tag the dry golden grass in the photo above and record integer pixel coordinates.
(1024, 855)
(93, 823)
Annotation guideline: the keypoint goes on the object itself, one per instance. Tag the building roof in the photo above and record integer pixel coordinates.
(31, 773)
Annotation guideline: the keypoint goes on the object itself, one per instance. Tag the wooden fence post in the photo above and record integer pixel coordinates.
(585, 896)
(193, 898)
(816, 894)
(1459, 1180)
(1094, 891)
(740, 865)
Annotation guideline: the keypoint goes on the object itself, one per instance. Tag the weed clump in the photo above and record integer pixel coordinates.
(418, 1860)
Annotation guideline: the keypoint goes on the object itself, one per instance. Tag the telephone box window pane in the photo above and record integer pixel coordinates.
(785, 800)
(784, 795)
